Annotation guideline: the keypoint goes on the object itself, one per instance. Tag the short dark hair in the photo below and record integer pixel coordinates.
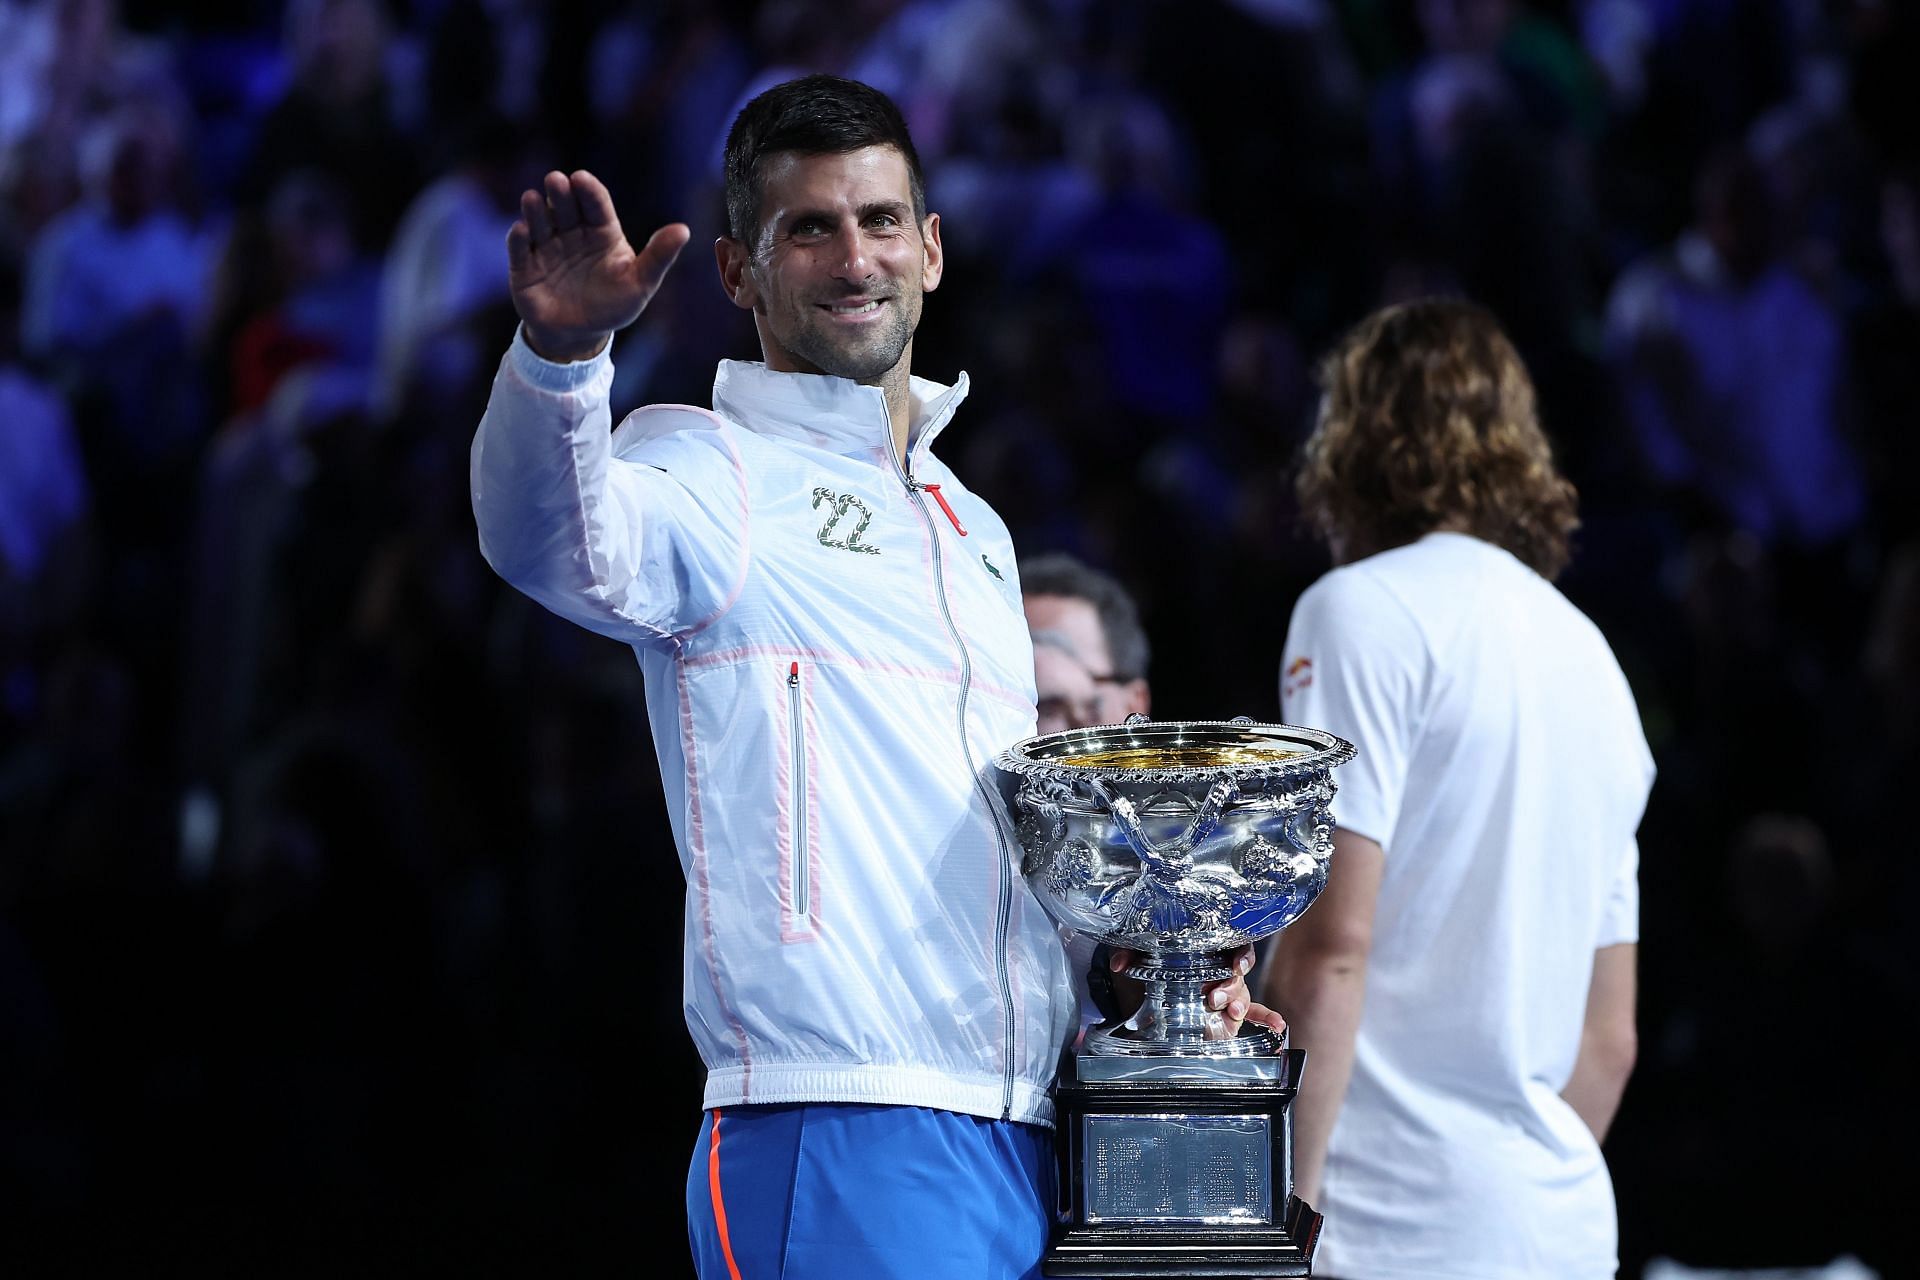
(815, 116)
(1058, 574)
(1428, 422)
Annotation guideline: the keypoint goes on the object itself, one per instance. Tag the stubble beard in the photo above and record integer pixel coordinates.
(861, 357)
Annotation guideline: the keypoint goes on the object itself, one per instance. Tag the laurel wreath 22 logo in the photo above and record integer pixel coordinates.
(838, 507)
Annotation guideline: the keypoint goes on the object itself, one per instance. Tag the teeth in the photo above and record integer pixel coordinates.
(855, 309)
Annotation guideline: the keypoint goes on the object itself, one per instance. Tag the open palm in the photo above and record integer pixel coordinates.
(574, 278)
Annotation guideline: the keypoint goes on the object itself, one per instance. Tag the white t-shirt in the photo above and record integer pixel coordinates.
(1503, 770)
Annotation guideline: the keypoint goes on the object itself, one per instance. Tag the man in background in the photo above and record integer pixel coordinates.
(1089, 650)
(1464, 987)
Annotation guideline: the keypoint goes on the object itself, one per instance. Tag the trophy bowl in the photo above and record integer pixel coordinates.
(1181, 841)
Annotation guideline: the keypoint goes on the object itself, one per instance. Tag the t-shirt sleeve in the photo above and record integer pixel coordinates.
(1621, 920)
(1354, 665)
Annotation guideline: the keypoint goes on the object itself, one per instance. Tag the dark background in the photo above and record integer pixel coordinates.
(339, 919)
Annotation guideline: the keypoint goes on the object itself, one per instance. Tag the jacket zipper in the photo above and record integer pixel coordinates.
(940, 498)
(801, 907)
(1003, 882)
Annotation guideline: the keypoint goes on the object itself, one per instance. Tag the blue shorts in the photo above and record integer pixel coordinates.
(853, 1191)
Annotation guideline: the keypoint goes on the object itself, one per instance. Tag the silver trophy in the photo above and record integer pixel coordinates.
(1180, 841)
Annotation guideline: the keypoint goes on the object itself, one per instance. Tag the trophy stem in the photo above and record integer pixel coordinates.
(1175, 1010)
(1172, 1020)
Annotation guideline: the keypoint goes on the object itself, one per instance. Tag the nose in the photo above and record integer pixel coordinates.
(851, 255)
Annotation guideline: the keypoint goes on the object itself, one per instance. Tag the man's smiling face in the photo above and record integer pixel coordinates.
(836, 276)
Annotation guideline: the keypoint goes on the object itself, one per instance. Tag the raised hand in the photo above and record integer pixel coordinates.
(574, 278)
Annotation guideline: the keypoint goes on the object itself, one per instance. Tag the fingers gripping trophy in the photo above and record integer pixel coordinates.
(1179, 841)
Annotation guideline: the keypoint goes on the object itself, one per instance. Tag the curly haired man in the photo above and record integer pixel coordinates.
(1465, 986)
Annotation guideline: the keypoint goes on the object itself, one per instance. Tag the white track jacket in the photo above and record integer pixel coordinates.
(834, 650)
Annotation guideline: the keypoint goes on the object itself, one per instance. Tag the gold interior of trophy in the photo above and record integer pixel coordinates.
(1189, 755)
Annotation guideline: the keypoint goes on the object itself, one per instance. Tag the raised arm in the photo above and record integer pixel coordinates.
(634, 546)
(575, 279)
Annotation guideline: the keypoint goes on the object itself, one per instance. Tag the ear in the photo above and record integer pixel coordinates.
(934, 257)
(736, 275)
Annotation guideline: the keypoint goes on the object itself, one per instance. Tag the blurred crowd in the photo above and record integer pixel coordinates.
(339, 914)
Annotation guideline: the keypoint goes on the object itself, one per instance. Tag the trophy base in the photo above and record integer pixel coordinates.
(1120, 1252)
(1183, 1169)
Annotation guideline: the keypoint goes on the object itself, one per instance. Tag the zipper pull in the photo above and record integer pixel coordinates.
(940, 498)
(793, 677)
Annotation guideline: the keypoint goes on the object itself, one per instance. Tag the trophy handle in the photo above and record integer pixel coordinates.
(1169, 858)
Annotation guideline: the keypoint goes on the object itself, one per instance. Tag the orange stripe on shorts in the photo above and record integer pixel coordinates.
(719, 1205)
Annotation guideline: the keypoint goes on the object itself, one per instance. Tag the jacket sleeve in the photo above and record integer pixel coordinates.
(641, 544)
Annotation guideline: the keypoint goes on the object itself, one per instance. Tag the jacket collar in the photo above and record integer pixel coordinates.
(827, 412)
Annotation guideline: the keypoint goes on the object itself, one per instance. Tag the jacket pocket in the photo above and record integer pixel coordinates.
(799, 887)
